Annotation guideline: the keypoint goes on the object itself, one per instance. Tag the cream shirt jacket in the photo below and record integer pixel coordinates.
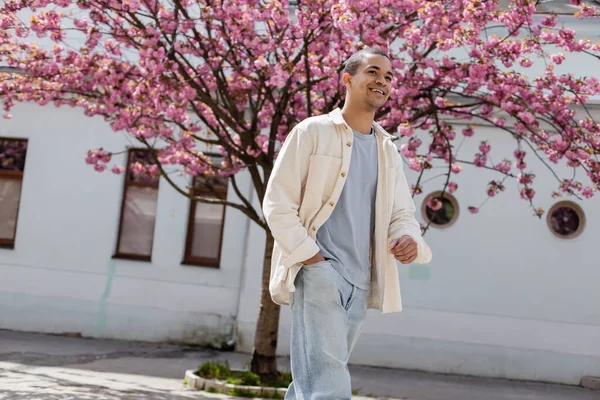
(304, 187)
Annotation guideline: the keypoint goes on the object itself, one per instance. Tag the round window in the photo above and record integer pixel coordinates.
(440, 211)
(566, 220)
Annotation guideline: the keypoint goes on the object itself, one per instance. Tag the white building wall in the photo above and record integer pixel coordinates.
(503, 297)
(61, 276)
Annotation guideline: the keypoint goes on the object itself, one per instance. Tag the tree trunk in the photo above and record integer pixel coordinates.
(264, 362)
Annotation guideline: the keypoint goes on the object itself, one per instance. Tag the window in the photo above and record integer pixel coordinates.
(138, 210)
(566, 220)
(440, 211)
(205, 224)
(12, 165)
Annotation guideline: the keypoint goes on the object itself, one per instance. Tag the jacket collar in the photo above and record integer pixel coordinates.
(336, 117)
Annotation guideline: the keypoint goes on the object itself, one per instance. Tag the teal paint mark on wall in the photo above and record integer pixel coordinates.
(101, 319)
(419, 273)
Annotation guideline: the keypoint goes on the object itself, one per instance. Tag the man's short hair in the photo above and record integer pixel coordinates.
(356, 59)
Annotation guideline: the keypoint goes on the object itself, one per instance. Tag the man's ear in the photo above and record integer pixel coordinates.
(346, 79)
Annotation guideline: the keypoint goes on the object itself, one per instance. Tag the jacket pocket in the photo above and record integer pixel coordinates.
(323, 174)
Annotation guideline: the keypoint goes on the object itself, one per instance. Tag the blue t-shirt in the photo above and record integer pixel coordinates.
(345, 238)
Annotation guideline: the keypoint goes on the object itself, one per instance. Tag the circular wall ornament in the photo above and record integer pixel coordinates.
(566, 220)
(440, 211)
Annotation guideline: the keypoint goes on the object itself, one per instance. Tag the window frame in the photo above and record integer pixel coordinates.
(126, 185)
(448, 197)
(188, 258)
(573, 206)
(14, 175)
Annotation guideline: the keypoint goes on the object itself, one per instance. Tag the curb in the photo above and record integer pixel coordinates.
(196, 382)
(590, 382)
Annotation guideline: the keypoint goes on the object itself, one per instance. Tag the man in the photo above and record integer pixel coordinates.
(341, 213)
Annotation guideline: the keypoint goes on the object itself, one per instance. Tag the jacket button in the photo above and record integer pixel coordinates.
(348, 144)
(331, 203)
(343, 174)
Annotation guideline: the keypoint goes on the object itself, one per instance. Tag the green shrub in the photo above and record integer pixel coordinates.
(285, 378)
(234, 381)
(214, 370)
(244, 378)
(220, 370)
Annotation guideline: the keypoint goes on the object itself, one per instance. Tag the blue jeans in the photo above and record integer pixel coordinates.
(327, 315)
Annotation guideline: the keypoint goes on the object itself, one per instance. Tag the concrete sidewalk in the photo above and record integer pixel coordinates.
(45, 367)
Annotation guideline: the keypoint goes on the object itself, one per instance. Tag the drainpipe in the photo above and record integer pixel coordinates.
(230, 344)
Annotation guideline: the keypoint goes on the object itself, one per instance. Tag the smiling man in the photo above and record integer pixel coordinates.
(341, 212)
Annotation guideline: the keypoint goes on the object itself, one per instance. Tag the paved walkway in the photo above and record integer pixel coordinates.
(45, 367)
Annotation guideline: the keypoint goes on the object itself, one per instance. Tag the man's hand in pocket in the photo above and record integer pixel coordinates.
(313, 260)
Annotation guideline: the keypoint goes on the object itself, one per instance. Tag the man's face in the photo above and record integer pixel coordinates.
(372, 83)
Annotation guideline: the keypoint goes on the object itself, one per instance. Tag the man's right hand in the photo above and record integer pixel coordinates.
(313, 260)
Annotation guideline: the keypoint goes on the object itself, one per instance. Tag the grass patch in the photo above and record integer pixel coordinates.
(214, 370)
(221, 370)
(244, 378)
(285, 378)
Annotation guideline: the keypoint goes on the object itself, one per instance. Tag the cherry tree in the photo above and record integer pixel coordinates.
(212, 87)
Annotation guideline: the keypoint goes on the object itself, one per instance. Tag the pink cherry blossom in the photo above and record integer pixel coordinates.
(527, 193)
(525, 179)
(407, 151)
(473, 210)
(557, 58)
(484, 148)
(214, 90)
(480, 160)
(501, 122)
(415, 164)
(416, 190)
(434, 203)
(587, 192)
(468, 132)
(494, 188)
(405, 130)
(503, 166)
